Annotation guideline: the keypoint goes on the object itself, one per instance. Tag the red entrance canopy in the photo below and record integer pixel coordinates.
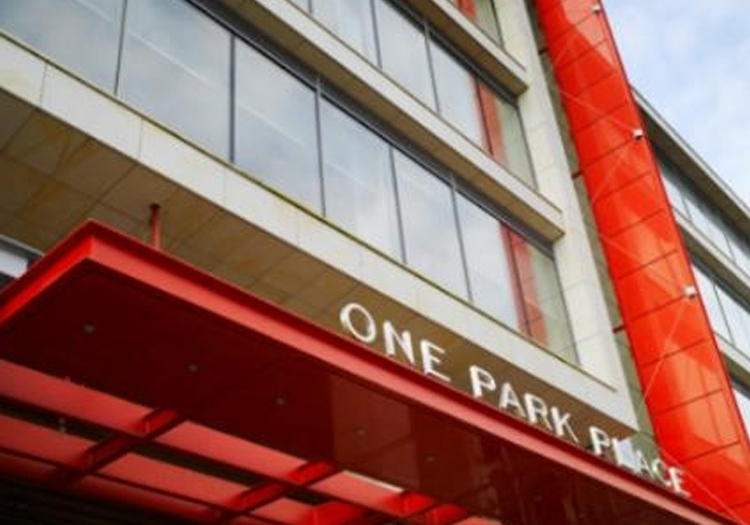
(128, 375)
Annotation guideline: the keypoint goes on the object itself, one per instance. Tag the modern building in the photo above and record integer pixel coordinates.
(358, 262)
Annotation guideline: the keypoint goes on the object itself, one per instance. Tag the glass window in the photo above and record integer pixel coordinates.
(711, 302)
(738, 320)
(742, 395)
(358, 180)
(671, 183)
(429, 225)
(457, 94)
(482, 12)
(175, 66)
(504, 134)
(740, 251)
(486, 242)
(81, 34)
(275, 127)
(486, 18)
(403, 48)
(351, 21)
(545, 318)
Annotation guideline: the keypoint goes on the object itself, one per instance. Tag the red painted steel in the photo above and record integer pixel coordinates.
(234, 411)
(685, 384)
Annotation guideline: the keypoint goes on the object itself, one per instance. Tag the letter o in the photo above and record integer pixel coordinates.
(370, 331)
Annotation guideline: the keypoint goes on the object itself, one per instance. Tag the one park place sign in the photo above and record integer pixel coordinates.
(429, 358)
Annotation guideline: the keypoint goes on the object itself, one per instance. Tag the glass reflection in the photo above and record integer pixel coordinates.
(276, 133)
(351, 21)
(81, 34)
(358, 180)
(544, 314)
(429, 226)
(457, 94)
(486, 245)
(175, 66)
(403, 49)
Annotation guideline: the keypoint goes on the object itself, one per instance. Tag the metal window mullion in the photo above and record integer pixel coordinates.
(461, 246)
(321, 155)
(232, 96)
(399, 217)
(120, 48)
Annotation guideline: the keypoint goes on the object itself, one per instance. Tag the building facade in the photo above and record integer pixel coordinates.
(372, 261)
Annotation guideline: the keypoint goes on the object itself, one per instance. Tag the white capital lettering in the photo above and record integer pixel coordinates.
(676, 480)
(481, 381)
(537, 410)
(367, 333)
(509, 400)
(430, 360)
(393, 340)
(600, 440)
(561, 424)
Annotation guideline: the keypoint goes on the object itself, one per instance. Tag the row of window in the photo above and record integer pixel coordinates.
(409, 52)
(729, 317)
(294, 136)
(166, 57)
(706, 218)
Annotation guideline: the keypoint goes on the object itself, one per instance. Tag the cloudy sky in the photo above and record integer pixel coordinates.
(691, 60)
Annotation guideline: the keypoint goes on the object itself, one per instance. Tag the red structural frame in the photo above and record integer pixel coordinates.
(685, 384)
(128, 375)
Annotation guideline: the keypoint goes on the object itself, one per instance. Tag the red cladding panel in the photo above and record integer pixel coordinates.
(574, 43)
(697, 428)
(615, 129)
(620, 168)
(682, 377)
(590, 68)
(635, 203)
(675, 326)
(687, 390)
(594, 103)
(644, 243)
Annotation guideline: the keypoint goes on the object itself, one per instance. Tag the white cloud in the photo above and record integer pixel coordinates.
(691, 61)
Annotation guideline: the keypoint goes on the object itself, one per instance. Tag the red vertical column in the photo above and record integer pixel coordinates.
(685, 384)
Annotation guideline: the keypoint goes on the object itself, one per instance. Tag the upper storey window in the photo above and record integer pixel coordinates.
(706, 218)
(352, 21)
(83, 34)
(483, 13)
(403, 47)
(175, 58)
(276, 134)
(411, 53)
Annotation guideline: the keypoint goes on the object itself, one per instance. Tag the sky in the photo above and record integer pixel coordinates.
(691, 60)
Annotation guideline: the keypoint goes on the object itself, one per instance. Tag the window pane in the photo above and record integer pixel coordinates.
(487, 19)
(430, 234)
(276, 133)
(743, 403)
(486, 245)
(358, 180)
(738, 320)
(82, 34)
(175, 67)
(707, 290)
(457, 94)
(351, 21)
(545, 318)
(403, 47)
(505, 138)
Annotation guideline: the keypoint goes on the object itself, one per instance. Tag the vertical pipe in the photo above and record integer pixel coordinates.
(154, 223)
